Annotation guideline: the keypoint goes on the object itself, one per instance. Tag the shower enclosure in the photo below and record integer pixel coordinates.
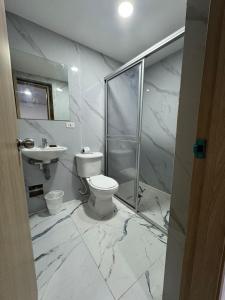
(140, 128)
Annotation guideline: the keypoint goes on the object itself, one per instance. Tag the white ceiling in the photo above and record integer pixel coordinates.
(95, 23)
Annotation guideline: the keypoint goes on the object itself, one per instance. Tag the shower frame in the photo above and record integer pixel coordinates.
(140, 59)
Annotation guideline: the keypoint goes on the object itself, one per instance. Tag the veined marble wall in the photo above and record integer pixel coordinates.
(159, 121)
(86, 91)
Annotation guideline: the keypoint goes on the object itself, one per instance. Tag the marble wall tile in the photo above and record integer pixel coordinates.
(194, 50)
(160, 107)
(86, 91)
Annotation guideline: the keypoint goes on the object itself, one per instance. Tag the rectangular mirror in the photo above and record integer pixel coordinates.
(41, 87)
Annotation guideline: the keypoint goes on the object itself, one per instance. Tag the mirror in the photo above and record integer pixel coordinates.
(41, 87)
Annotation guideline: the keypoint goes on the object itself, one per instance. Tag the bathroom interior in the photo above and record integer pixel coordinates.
(97, 119)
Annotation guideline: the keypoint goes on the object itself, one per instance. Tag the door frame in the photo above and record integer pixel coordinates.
(17, 272)
(203, 261)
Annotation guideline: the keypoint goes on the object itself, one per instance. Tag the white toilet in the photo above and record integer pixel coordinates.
(102, 187)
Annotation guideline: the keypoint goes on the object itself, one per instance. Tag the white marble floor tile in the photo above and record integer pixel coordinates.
(154, 204)
(78, 278)
(42, 221)
(79, 256)
(150, 285)
(53, 238)
(85, 219)
(123, 246)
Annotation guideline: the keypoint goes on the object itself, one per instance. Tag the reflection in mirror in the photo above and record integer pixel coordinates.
(41, 87)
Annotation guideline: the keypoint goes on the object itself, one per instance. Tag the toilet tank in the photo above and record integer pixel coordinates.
(89, 164)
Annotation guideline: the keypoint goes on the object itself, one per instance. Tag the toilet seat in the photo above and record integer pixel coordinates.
(101, 182)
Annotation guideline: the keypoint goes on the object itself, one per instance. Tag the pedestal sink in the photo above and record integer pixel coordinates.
(45, 155)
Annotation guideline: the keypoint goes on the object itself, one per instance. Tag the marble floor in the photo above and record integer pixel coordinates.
(78, 256)
(154, 204)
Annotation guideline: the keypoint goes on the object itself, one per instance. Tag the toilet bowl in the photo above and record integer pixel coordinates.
(102, 188)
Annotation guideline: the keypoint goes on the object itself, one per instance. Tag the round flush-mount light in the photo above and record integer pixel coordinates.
(125, 9)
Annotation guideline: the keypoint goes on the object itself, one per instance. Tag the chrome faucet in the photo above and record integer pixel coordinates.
(44, 142)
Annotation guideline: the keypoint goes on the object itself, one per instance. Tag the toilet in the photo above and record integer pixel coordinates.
(102, 187)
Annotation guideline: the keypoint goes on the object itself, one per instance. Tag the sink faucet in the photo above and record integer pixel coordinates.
(44, 142)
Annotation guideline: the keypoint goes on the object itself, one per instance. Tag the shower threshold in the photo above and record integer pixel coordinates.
(153, 205)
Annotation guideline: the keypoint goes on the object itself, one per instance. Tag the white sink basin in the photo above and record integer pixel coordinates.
(44, 154)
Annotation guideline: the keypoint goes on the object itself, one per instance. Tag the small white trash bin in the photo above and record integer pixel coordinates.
(54, 201)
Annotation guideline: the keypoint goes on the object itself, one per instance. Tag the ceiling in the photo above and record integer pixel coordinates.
(96, 23)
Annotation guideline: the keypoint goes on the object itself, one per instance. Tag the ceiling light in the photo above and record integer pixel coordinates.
(125, 9)
(27, 92)
(74, 69)
(148, 90)
(59, 89)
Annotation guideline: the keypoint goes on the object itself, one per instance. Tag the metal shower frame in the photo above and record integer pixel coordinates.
(140, 59)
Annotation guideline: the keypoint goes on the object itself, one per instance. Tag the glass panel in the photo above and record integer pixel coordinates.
(161, 90)
(123, 103)
(122, 167)
(122, 132)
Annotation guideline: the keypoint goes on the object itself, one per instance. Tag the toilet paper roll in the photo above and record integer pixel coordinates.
(85, 150)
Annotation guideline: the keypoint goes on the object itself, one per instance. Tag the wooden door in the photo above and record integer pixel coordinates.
(204, 250)
(17, 276)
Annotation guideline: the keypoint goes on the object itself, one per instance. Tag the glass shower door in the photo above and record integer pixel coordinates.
(123, 109)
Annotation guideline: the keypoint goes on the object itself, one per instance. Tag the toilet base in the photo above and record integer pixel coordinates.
(102, 206)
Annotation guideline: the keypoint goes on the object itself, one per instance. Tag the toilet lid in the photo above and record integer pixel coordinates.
(103, 182)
